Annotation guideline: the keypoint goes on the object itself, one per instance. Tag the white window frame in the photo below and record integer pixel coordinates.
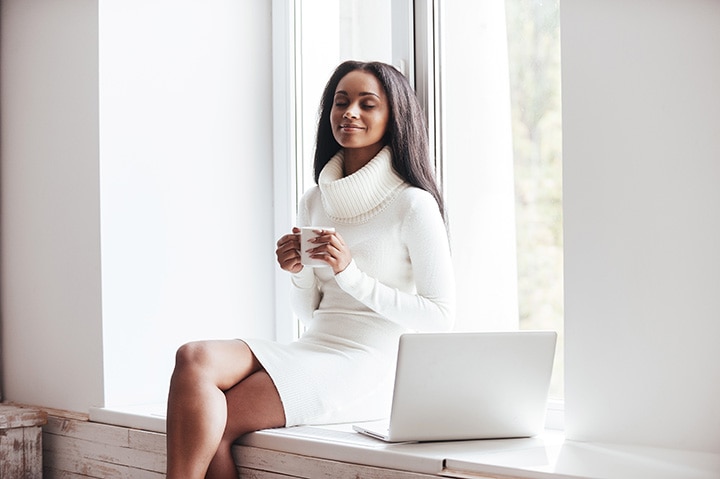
(285, 119)
(428, 76)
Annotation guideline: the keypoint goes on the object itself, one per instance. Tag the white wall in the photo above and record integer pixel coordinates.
(186, 171)
(139, 123)
(641, 161)
(51, 306)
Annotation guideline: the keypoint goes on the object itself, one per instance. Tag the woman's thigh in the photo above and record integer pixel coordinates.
(223, 362)
(253, 404)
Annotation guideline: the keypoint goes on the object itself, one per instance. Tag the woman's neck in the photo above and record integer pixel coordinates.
(356, 158)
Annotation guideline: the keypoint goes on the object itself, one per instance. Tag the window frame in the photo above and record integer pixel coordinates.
(285, 148)
(419, 23)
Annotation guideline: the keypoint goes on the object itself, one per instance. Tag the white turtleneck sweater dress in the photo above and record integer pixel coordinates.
(400, 280)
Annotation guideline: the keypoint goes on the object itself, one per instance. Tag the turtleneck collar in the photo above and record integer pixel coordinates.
(358, 197)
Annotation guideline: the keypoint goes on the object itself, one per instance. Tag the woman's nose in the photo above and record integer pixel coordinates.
(350, 113)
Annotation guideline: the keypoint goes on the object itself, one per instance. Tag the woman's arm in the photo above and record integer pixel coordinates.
(432, 307)
(304, 291)
(304, 295)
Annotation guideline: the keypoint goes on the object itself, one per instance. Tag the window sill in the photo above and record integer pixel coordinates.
(149, 417)
(547, 456)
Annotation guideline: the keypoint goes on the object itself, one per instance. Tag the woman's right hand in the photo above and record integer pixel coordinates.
(288, 252)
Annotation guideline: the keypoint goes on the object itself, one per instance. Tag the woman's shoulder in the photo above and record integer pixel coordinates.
(417, 206)
(309, 201)
(416, 198)
(419, 212)
(311, 193)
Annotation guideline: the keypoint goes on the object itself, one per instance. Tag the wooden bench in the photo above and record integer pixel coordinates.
(21, 442)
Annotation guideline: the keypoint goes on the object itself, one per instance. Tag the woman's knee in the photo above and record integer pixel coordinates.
(195, 354)
(224, 362)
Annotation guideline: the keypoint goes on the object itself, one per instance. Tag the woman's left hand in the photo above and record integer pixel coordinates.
(331, 249)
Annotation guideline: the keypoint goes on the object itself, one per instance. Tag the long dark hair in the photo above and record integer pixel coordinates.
(406, 129)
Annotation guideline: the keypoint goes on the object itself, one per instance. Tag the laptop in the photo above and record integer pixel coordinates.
(457, 386)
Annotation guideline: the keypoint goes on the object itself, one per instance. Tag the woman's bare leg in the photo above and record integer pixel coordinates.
(197, 406)
(253, 404)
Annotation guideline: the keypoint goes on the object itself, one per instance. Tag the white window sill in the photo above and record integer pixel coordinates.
(150, 417)
(547, 456)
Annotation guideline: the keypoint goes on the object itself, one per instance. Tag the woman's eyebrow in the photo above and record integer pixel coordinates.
(362, 93)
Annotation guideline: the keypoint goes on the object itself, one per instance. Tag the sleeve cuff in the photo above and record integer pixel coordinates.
(305, 279)
(350, 278)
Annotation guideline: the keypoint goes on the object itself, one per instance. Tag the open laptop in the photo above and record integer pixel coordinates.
(453, 386)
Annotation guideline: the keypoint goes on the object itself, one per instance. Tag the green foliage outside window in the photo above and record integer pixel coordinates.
(534, 54)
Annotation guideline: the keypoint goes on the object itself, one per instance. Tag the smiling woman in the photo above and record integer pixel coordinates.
(359, 118)
(387, 271)
(491, 98)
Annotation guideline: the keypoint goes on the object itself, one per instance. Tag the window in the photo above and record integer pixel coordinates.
(488, 73)
(502, 163)
(534, 61)
(151, 225)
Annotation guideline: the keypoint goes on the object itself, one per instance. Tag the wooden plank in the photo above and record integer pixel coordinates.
(55, 474)
(91, 468)
(12, 416)
(104, 433)
(294, 465)
(147, 441)
(107, 434)
(32, 452)
(245, 473)
(21, 452)
(79, 448)
(53, 412)
(88, 449)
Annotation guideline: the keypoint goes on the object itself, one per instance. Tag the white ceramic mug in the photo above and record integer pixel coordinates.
(306, 234)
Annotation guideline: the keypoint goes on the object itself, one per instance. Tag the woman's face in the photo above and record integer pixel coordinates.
(360, 112)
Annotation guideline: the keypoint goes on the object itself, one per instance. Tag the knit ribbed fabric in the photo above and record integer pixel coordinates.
(400, 279)
(362, 195)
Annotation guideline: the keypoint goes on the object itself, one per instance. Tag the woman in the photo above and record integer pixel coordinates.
(388, 272)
